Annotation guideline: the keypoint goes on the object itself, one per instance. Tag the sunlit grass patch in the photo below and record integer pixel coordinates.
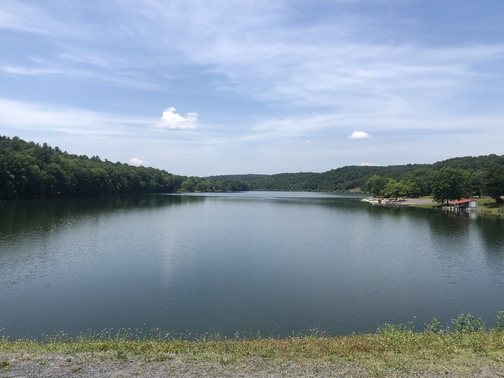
(489, 206)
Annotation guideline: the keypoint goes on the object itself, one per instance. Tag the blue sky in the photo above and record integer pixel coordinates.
(223, 87)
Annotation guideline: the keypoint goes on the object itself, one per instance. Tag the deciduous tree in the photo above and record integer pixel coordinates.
(375, 185)
(450, 183)
(493, 182)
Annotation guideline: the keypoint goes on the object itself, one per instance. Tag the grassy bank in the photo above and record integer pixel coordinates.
(463, 351)
(487, 206)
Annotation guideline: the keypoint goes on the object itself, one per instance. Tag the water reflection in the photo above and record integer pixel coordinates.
(492, 237)
(45, 215)
(244, 262)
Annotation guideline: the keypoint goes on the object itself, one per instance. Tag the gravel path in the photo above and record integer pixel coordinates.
(59, 365)
(85, 365)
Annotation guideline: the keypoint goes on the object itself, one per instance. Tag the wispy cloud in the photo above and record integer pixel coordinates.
(14, 15)
(29, 70)
(128, 80)
(257, 51)
(29, 116)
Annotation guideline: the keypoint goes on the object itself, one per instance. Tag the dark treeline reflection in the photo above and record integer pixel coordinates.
(23, 215)
(492, 231)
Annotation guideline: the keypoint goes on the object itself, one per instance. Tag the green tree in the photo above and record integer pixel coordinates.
(189, 184)
(422, 178)
(410, 188)
(375, 185)
(450, 183)
(393, 188)
(478, 183)
(493, 182)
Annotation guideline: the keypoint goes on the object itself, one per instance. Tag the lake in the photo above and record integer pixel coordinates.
(268, 263)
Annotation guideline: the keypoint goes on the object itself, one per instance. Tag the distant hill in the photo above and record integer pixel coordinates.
(353, 177)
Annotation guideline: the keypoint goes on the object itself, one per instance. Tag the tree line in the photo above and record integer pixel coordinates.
(443, 184)
(30, 170)
(449, 179)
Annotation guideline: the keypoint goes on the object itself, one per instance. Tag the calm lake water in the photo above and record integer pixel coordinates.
(267, 262)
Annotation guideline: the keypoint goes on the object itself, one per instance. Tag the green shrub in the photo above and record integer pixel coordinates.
(468, 324)
(499, 323)
(434, 326)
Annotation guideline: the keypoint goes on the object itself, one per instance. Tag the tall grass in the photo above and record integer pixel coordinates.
(468, 336)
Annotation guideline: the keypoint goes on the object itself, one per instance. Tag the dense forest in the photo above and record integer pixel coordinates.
(449, 179)
(30, 170)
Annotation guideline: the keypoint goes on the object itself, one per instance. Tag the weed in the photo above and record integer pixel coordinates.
(499, 323)
(227, 359)
(121, 355)
(434, 326)
(4, 364)
(468, 324)
(162, 357)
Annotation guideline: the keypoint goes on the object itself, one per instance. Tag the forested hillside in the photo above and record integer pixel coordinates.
(29, 170)
(340, 179)
(473, 174)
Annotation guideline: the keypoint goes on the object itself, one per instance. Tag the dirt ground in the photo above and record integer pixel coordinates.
(99, 366)
(417, 201)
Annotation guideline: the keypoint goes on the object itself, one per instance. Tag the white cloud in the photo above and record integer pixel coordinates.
(136, 161)
(359, 135)
(368, 165)
(173, 121)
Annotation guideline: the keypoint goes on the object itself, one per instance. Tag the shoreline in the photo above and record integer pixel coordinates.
(487, 207)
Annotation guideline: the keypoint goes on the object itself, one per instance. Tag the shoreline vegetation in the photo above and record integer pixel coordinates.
(468, 349)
